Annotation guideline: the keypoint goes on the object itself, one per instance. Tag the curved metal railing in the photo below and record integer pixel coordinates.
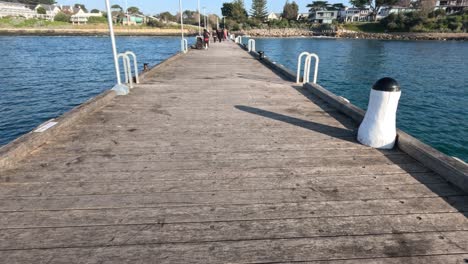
(307, 64)
(251, 45)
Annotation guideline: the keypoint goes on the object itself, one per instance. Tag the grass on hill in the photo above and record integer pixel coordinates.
(369, 27)
(16, 22)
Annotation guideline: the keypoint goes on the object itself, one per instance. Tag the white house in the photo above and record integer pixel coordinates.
(353, 14)
(323, 16)
(15, 10)
(451, 6)
(384, 11)
(302, 16)
(81, 17)
(273, 16)
(51, 11)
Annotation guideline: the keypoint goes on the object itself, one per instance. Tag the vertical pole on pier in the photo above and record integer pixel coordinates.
(114, 46)
(181, 26)
(199, 19)
(205, 18)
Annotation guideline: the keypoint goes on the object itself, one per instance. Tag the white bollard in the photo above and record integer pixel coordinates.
(378, 129)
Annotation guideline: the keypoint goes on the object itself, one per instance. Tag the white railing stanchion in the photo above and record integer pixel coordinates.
(251, 45)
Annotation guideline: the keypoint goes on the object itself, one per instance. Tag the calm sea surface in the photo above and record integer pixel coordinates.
(43, 77)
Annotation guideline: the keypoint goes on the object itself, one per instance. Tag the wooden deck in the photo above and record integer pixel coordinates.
(219, 160)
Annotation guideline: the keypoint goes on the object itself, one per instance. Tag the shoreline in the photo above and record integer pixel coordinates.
(298, 33)
(259, 33)
(92, 32)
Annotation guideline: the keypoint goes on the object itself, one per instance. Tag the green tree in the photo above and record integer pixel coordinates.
(235, 11)
(41, 10)
(338, 6)
(117, 7)
(83, 7)
(319, 5)
(166, 16)
(290, 10)
(134, 10)
(259, 9)
(95, 11)
(62, 17)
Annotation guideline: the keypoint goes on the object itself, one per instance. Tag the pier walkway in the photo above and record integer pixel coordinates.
(217, 159)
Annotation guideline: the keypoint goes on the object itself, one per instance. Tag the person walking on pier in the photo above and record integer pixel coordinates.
(220, 35)
(206, 38)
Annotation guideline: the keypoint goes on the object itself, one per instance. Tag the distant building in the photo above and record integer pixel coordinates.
(51, 11)
(302, 16)
(323, 16)
(134, 19)
(274, 16)
(452, 6)
(16, 10)
(384, 11)
(353, 14)
(81, 17)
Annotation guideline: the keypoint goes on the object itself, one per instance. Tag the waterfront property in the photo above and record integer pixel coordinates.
(452, 6)
(384, 11)
(353, 15)
(186, 169)
(16, 9)
(323, 16)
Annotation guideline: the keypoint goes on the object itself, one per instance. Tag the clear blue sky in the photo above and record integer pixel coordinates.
(212, 6)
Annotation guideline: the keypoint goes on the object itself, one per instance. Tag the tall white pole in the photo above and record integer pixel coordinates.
(182, 40)
(114, 46)
(204, 13)
(199, 19)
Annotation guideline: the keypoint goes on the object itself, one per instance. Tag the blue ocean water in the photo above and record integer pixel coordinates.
(433, 76)
(43, 77)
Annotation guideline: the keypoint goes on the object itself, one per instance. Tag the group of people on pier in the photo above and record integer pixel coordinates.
(218, 35)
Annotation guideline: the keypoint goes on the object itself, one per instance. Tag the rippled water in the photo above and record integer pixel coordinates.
(433, 76)
(43, 77)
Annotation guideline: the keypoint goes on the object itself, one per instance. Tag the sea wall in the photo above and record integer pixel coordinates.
(295, 32)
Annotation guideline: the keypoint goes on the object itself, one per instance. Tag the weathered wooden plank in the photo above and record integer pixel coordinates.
(434, 259)
(104, 200)
(175, 156)
(99, 186)
(232, 213)
(156, 232)
(81, 163)
(211, 174)
(257, 251)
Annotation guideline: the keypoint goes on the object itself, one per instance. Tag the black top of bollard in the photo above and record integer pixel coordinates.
(387, 84)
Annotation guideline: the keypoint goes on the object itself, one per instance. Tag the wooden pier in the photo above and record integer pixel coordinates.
(217, 159)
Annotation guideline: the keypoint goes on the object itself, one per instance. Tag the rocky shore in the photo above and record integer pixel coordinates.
(294, 32)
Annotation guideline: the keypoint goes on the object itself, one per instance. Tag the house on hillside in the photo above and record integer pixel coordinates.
(80, 17)
(16, 10)
(353, 14)
(274, 16)
(452, 6)
(133, 20)
(51, 11)
(384, 11)
(323, 16)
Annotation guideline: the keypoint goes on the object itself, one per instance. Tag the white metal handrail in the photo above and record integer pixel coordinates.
(127, 68)
(239, 39)
(307, 65)
(251, 45)
(135, 64)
